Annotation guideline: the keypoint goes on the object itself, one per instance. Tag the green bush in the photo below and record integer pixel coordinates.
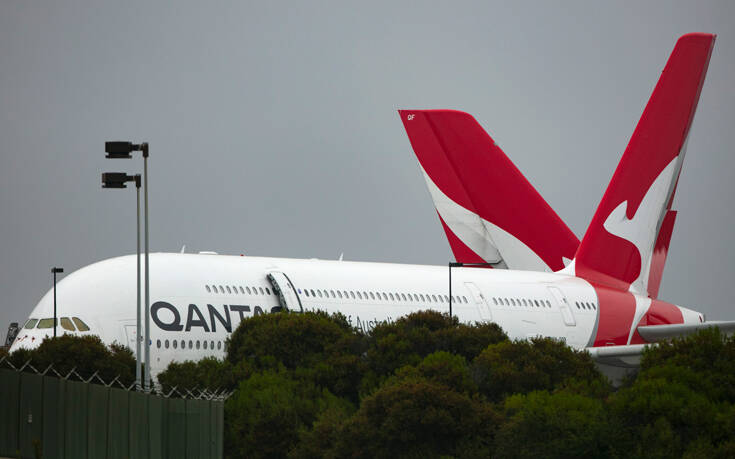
(519, 367)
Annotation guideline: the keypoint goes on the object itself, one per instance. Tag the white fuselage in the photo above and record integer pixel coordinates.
(197, 300)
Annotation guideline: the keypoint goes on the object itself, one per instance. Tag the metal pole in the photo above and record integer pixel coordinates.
(450, 290)
(137, 309)
(54, 271)
(144, 147)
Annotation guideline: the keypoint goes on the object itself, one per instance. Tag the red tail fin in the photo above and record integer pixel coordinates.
(618, 248)
(486, 204)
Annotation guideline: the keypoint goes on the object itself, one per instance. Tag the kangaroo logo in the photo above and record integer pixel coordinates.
(642, 229)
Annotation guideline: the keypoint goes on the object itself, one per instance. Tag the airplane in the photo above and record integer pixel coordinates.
(603, 301)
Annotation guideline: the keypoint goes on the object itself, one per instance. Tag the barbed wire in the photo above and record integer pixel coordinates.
(190, 394)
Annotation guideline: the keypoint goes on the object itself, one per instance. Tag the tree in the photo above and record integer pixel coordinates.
(316, 347)
(513, 367)
(209, 372)
(269, 409)
(85, 354)
(563, 424)
(411, 338)
(415, 417)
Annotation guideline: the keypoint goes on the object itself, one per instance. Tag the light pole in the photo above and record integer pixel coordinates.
(118, 180)
(122, 149)
(55, 271)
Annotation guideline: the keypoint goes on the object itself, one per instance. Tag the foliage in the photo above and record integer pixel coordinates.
(269, 409)
(411, 338)
(562, 424)
(84, 354)
(515, 367)
(209, 372)
(413, 417)
(310, 386)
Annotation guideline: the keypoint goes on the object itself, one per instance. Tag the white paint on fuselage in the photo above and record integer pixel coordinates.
(103, 295)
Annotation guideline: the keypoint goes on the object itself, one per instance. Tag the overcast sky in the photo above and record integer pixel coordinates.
(274, 132)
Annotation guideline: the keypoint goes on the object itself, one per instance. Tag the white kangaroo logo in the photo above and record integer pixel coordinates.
(642, 229)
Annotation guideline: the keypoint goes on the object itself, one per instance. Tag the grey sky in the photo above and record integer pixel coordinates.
(274, 132)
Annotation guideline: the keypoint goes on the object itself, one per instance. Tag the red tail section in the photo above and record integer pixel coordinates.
(626, 242)
(483, 200)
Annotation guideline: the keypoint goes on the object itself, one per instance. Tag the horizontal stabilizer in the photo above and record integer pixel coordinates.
(627, 356)
(654, 333)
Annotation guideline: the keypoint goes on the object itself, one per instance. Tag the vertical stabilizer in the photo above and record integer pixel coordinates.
(488, 209)
(626, 242)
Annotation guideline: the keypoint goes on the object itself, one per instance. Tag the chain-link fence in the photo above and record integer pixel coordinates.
(52, 415)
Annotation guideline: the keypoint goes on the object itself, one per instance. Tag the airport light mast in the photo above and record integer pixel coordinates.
(119, 180)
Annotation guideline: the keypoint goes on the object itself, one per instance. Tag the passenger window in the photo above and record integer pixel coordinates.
(495, 301)
(211, 344)
(66, 324)
(352, 294)
(359, 296)
(372, 297)
(228, 289)
(176, 344)
(208, 289)
(219, 345)
(166, 344)
(197, 344)
(183, 344)
(339, 294)
(385, 296)
(191, 344)
(248, 290)
(548, 303)
(261, 290)
(319, 292)
(242, 290)
(391, 296)
(81, 326)
(31, 323)
(158, 343)
(332, 293)
(205, 344)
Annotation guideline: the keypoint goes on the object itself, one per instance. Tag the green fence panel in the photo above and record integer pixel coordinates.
(193, 429)
(53, 417)
(69, 419)
(75, 419)
(30, 428)
(175, 428)
(97, 421)
(217, 428)
(10, 397)
(205, 444)
(118, 428)
(155, 420)
(138, 424)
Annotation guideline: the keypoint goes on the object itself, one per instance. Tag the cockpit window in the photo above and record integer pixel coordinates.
(80, 325)
(46, 323)
(31, 323)
(66, 324)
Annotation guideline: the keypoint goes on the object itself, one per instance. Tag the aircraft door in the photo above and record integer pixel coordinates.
(561, 300)
(480, 301)
(287, 296)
